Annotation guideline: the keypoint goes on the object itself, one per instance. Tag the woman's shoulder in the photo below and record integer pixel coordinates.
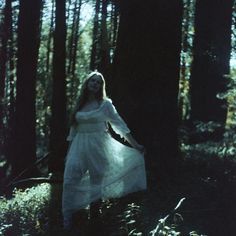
(107, 101)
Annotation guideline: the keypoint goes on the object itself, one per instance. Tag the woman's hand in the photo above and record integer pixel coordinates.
(140, 148)
(134, 143)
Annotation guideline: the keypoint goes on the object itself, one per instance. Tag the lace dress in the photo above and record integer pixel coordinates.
(97, 165)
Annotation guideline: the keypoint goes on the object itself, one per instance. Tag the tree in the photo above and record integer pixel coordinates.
(186, 58)
(211, 55)
(93, 63)
(27, 55)
(6, 32)
(50, 37)
(58, 119)
(73, 52)
(145, 74)
(104, 50)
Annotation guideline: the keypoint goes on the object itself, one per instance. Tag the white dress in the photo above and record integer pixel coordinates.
(97, 165)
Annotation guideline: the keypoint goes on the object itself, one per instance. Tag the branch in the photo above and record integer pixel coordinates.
(162, 221)
(38, 181)
(29, 168)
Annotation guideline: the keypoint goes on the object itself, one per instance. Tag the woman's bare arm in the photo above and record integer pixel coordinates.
(130, 139)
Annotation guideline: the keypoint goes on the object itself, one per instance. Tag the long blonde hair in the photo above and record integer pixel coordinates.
(83, 97)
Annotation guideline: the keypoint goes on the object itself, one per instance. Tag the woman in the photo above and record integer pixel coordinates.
(97, 165)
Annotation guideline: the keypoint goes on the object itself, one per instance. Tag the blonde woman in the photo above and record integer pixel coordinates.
(97, 165)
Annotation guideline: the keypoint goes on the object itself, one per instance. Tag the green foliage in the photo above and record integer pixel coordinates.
(230, 95)
(223, 149)
(44, 74)
(25, 213)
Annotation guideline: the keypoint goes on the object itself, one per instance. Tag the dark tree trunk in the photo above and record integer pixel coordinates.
(5, 32)
(71, 39)
(50, 38)
(58, 119)
(93, 57)
(211, 56)
(145, 75)
(74, 84)
(76, 38)
(104, 54)
(115, 23)
(6, 27)
(10, 96)
(27, 55)
(183, 97)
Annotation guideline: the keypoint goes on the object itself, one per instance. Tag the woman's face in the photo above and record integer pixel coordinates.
(94, 84)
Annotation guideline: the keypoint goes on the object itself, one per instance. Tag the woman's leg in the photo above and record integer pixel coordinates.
(96, 178)
(72, 195)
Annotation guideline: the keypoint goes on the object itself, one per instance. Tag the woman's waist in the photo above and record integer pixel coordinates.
(91, 127)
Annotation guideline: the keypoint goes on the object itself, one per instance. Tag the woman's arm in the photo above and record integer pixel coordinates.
(130, 139)
(120, 127)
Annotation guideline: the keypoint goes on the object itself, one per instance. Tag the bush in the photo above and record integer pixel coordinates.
(26, 213)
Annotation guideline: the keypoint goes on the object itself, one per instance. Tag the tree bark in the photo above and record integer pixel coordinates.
(58, 119)
(211, 56)
(93, 64)
(104, 51)
(71, 39)
(76, 38)
(27, 55)
(50, 38)
(6, 33)
(145, 74)
(184, 71)
(6, 27)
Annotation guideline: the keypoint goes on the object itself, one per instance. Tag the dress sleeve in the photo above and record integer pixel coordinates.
(116, 122)
(72, 133)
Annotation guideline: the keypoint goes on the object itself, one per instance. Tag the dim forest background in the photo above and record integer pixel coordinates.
(170, 69)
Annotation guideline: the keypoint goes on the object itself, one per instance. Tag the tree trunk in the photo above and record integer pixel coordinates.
(115, 23)
(75, 41)
(4, 53)
(10, 97)
(184, 71)
(104, 54)
(93, 57)
(5, 32)
(211, 56)
(28, 45)
(71, 39)
(58, 119)
(74, 82)
(145, 74)
(50, 38)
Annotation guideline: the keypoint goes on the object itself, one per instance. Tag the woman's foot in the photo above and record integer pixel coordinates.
(67, 224)
(80, 219)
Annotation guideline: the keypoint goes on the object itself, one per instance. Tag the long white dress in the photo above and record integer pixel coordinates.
(97, 165)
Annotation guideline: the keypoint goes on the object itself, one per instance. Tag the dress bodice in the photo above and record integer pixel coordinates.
(97, 120)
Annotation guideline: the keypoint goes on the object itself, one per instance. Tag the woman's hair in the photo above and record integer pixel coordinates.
(83, 97)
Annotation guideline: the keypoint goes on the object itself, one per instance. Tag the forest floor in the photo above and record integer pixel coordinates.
(209, 208)
(207, 182)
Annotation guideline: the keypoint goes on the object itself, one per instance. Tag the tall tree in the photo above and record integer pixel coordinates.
(115, 20)
(145, 74)
(104, 49)
(50, 37)
(27, 55)
(93, 63)
(71, 38)
(58, 119)
(187, 29)
(6, 27)
(76, 38)
(211, 56)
